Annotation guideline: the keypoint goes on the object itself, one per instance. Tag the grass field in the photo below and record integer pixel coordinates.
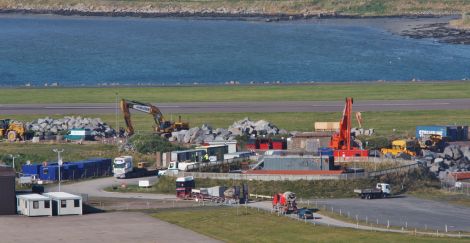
(353, 7)
(334, 92)
(249, 225)
(404, 122)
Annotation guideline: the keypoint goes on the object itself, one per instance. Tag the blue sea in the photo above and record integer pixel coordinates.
(73, 51)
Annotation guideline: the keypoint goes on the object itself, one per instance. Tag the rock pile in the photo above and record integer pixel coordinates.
(361, 131)
(50, 126)
(453, 159)
(206, 133)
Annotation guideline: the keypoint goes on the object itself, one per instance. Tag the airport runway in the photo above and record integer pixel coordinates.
(253, 106)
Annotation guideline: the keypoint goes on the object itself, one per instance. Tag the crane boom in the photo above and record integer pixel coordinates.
(341, 141)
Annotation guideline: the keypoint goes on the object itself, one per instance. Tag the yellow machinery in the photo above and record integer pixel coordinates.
(402, 146)
(162, 126)
(433, 142)
(12, 130)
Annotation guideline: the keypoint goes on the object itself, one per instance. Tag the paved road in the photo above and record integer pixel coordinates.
(281, 106)
(402, 211)
(95, 228)
(94, 188)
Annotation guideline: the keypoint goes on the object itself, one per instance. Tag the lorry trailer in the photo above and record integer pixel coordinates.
(381, 190)
(123, 168)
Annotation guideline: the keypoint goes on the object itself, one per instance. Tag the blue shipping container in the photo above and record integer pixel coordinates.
(451, 133)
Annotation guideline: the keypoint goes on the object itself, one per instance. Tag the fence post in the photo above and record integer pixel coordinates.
(388, 224)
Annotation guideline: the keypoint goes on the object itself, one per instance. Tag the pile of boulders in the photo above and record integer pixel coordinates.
(453, 159)
(206, 133)
(49, 126)
(361, 131)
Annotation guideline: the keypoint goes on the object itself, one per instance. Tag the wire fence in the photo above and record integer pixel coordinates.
(352, 218)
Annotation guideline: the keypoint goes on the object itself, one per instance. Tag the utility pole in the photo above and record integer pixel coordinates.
(59, 161)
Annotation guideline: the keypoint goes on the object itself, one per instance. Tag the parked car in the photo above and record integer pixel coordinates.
(305, 213)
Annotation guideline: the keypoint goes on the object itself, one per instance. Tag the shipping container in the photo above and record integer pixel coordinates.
(7, 191)
(449, 133)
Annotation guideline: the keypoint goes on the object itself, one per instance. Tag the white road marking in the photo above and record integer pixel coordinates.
(398, 104)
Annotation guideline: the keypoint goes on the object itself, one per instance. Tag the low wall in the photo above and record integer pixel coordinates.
(236, 176)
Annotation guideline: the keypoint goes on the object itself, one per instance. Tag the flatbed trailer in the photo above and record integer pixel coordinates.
(382, 190)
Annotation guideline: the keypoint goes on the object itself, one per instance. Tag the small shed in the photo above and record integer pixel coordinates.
(64, 203)
(33, 205)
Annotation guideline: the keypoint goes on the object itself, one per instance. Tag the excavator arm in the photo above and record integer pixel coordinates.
(157, 115)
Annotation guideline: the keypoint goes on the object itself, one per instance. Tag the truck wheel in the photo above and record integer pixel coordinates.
(369, 197)
(11, 136)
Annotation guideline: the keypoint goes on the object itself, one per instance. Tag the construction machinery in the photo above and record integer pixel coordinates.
(433, 142)
(285, 203)
(12, 130)
(341, 141)
(407, 146)
(162, 127)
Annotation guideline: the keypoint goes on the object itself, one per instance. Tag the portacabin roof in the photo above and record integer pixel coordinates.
(33, 196)
(61, 195)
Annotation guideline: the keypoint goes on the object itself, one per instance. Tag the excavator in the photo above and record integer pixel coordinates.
(341, 140)
(163, 127)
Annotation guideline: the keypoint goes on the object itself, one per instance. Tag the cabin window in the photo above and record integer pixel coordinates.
(63, 203)
(47, 204)
(35, 204)
(76, 203)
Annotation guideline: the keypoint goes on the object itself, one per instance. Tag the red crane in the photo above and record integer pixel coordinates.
(341, 141)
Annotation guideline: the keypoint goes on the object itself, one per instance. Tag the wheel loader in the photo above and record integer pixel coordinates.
(12, 130)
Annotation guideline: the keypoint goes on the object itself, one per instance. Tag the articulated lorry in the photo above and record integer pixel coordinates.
(123, 167)
(381, 190)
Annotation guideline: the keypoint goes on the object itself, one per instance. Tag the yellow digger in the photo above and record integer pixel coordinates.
(12, 130)
(410, 147)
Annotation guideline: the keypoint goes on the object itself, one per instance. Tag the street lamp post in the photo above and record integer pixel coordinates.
(59, 161)
(117, 111)
(14, 157)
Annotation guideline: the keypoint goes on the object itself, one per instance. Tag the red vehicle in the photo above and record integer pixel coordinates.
(285, 203)
(341, 141)
(184, 187)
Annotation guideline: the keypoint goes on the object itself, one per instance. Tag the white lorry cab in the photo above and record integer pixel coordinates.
(122, 166)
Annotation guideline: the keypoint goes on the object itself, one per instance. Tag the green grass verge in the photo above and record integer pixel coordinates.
(249, 225)
(404, 122)
(38, 153)
(334, 92)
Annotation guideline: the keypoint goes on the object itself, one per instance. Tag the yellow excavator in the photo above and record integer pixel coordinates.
(12, 130)
(162, 127)
(409, 146)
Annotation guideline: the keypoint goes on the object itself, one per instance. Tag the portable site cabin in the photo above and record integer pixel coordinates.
(79, 134)
(65, 203)
(33, 205)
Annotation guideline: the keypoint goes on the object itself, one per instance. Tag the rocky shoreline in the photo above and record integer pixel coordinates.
(209, 13)
(439, 31)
